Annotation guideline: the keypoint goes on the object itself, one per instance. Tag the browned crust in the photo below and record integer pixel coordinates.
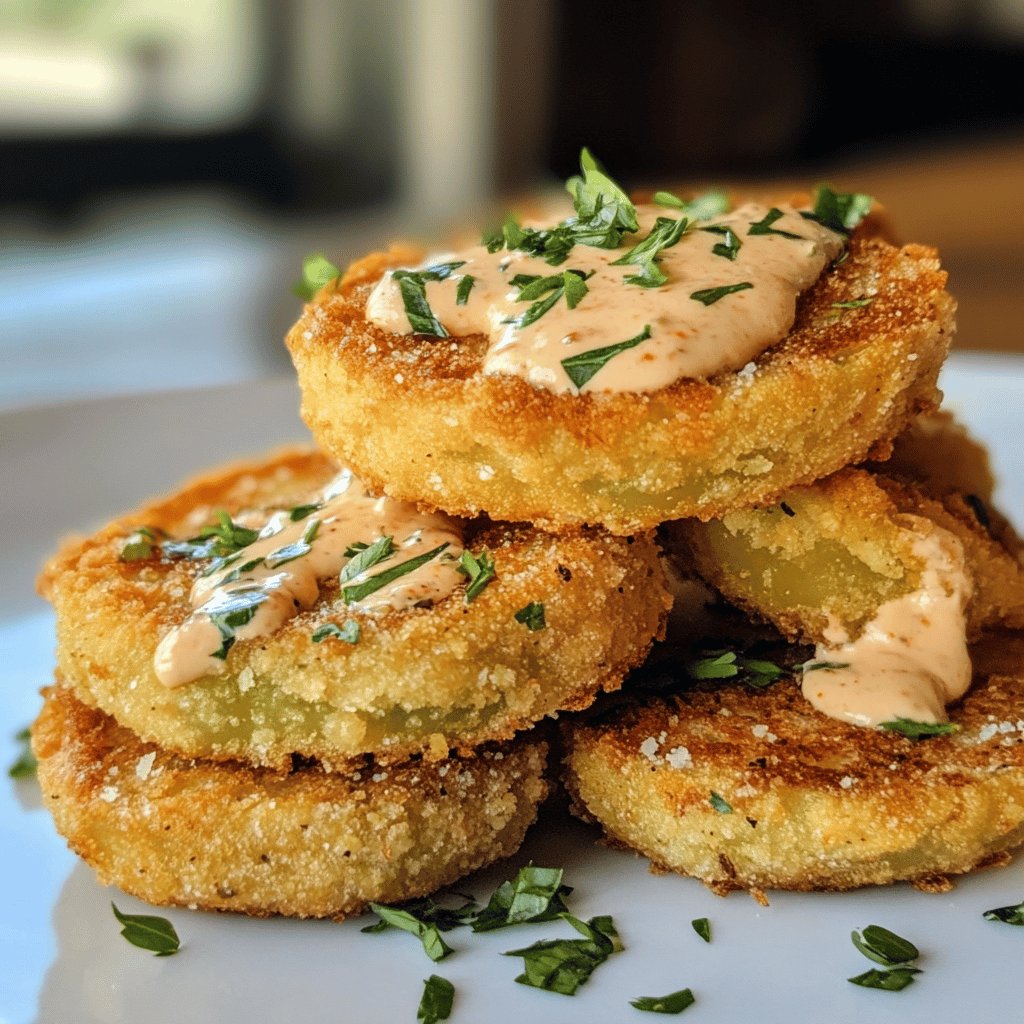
(452, 675)
(304, 843)
(825, 805)
(418, 418)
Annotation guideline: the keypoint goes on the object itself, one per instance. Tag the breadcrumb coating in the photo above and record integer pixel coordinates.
(422, 679)
(304, 843)
(806, 801)
(839, 387)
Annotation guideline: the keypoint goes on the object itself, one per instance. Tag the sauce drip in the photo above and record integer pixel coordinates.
(279, 574)
(688, 338)
(912, 658)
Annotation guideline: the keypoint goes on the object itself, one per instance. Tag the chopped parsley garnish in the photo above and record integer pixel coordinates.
(317, 270)
(536, 894)
(237, 573)
(892, 951)
(603, 210)
(226, 537)
(562, 965)
(548, 290)
(702, 926)
(920, 730)
(839, 211)
(1007, 915)
(854, 303)
(719, 803)
(730, 245)
(428, 911)
(709, 296)
(364, 556)
(140, 545)
(290, 552)
(894, 980)
(702, 207)
(300, 512)
(581, 368)
(156, 934)
(428, 932)
(764, 225)
(646, 253)
(413, 286)
(479, 569)
(232, 611)
(884, 947)
(823, 666)
(349, 631)
(357, 591)
(675, 1002)
(465, 287)
(725, 664)
(532, 616)
(436, 1001)
(25, 764)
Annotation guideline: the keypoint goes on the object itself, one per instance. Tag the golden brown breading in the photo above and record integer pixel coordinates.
(815, 803)
(417, 417)
(450, 675)
(845, 545)
(304, 843)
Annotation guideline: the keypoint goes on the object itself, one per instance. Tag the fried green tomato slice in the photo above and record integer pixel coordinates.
(860, 361)
(305, 843)
(449, 675)
(748, 788)
(845, 545)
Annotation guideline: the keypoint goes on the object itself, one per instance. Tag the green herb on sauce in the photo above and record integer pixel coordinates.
(349, 631)
(317, 270)
(764, 226)
(156, 934)
(463, 290)
(703, 207)
(823, 666)
(646, 253)
(413, 287)
(364, 556)
(547, 291)
(233, 611)
(603, 210)
(581, 368)
(357, 591)
(300, 512)
(226, 536)
(675, 1002)
(532, 616)
(730, 245)
(479, 569)
(290, 552)
(709, 296)
(140, 545)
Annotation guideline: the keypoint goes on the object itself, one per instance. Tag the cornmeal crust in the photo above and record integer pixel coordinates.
(815, 803)
(423, 679)
(305, 843)
(416, 416)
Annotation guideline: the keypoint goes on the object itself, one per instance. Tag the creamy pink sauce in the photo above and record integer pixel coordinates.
(348, 515)
(911, 659)
(688, 338)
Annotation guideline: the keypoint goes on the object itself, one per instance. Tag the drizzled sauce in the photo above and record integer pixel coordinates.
(912, 658)
(283, 567)
(688, 338)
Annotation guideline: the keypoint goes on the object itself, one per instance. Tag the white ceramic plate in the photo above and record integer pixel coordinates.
(62, 959)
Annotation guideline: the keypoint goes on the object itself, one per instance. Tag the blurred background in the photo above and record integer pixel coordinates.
(167, 163)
